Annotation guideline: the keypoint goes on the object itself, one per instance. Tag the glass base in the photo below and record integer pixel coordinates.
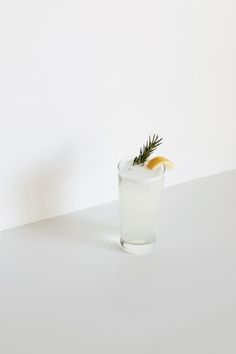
(144, 248)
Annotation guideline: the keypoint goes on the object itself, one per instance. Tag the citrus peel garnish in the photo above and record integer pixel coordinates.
(158, 161)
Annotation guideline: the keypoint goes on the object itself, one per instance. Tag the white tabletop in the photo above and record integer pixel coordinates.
(67, 287)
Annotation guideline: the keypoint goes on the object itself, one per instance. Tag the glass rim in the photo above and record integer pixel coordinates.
(138, 180)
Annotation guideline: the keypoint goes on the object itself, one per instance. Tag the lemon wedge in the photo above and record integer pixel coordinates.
(158, 161)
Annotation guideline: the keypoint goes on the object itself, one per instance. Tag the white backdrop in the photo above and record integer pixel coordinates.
(83, 83)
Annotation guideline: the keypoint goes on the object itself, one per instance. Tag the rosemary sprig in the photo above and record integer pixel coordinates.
(147, 149)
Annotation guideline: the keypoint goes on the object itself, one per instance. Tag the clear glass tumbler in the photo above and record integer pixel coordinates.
(139, 198)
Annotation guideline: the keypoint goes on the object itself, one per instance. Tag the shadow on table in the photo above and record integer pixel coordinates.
(93, 227)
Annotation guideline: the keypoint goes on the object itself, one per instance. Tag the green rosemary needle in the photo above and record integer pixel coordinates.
(147, 149)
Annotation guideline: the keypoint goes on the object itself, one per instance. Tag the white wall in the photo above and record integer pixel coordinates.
(82, 84)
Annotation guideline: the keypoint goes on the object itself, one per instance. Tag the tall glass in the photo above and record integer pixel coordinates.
(139, 198)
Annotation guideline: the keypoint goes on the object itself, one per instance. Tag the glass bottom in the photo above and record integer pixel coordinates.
(144, 248)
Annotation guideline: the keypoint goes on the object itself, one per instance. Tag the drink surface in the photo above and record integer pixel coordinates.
(138, 172)
(140, 191)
